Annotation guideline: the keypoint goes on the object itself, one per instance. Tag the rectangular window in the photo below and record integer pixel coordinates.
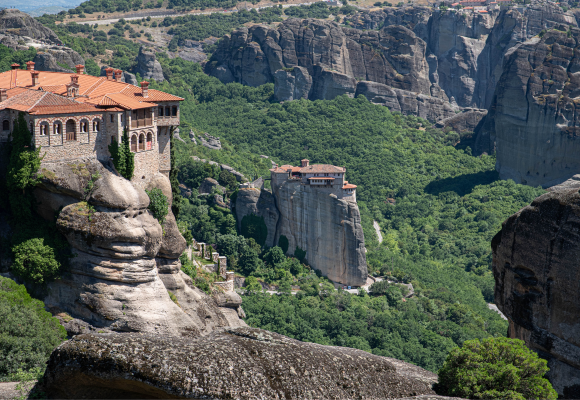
(161, 111)
(111, 117)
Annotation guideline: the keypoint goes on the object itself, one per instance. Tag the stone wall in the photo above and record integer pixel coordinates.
(163, 140)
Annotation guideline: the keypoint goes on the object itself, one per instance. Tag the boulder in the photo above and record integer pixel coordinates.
(241, 363)
(52, 59)
(536, 271)
(466, 121)
(208, 186)
(148, 66)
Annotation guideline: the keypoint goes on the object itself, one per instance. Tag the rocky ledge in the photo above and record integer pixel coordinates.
(236, 363)
(535, 265)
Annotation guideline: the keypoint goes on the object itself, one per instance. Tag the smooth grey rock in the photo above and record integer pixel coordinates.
(208, 186)
(22, 24)
(148, 66)
(292, 85)
(48, 59)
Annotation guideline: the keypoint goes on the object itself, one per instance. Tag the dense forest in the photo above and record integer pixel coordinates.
(437, 205)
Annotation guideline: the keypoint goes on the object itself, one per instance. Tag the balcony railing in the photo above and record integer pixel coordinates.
(141, 122)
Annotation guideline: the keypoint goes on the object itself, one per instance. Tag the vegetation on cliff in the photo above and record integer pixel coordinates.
(123, 158)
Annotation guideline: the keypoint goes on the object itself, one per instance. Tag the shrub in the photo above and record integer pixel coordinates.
(495, 368)
(158, 204)
(28, 333)
(34, 261)
(227, 179)
(300, 254)
(254, 227)
(283, 243)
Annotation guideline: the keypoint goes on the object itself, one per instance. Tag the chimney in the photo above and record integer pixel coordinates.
(74, 79)
(118, 75)
(15, 66)
(80, 69)
(3, 95)
(305, 163)
(145, 88)
(34, 75)
(109, 72)
(30, 65)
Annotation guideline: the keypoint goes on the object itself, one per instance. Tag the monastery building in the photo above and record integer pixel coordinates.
(74, 116)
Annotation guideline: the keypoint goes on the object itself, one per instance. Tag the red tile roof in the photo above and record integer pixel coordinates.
(349, 186)
(322, 168)
(41, 103)
(90, 87)
(325, 178)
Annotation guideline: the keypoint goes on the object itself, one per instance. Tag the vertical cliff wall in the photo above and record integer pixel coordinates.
(537, 283)
(327, 228)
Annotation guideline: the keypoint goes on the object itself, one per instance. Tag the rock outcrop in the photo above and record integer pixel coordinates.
(21, 24)
(242, 363)
(535, 265)
(327, 228)
(125, 262)
(53, 59)
(148, 66)
(451, 59)
(533, 123)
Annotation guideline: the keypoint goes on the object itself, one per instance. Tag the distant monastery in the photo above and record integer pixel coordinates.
(325, 177)
(76, 116)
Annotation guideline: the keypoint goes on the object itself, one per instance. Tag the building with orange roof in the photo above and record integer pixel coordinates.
(75, 116)
(325, 177)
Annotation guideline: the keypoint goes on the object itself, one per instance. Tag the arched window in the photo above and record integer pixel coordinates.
(5, 125)
(134, 143)
(57, 128)
(96, 125)
(84, 126)
(174, 111)
(43, 129)
(149, 141)
(141, 142)
(167, 111)
(161, 111)
(71, 130)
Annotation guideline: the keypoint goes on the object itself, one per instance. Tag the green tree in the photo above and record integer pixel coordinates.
(283, 243)
(253, 226)
(123, 157)
(274, 256)
(495, 368)
(175, 192)
(249, 261)
(252, 285)
(35, 262)
(158, 204)
(227, 179)
(300, 254)
(28, 333)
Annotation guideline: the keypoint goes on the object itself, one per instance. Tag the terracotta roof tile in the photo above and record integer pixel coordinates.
(349, 186)
(89, 86)
(325, 178)
(39, 102)
(76, 108)
(119, 100)
(322, 168)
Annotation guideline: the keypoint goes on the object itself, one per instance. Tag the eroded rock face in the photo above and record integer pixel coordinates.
(22, 24)
(533, 121)
(148, 66)
(242, 363)
(49, 59)
(535, 265)
(124, 262)
(261, 203)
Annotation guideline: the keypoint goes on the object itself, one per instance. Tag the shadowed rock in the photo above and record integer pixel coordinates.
(535, 265)
(242, 363)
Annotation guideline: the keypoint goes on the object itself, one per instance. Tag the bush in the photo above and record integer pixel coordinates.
(28, 333)
(495, 368)
(35, 262)
(227, 179)
(283, 243)
(123, 158)
(158, 204)
(254, 227)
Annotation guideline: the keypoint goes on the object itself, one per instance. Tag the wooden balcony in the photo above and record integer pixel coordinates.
(141, 122)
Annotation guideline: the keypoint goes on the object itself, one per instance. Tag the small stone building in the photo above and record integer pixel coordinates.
(76, 116)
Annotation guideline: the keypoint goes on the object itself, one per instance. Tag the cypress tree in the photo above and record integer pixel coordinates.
(129, 157)
(123, 158)
(176, 193)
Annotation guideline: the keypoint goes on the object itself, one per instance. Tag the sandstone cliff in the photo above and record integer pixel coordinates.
(327, 228)
(242, 363)
(124, 262)
(535, 265)
(533, 122)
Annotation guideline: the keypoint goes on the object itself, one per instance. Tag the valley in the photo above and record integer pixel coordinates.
(447, 122)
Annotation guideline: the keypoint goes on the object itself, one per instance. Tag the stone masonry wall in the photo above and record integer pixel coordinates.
(163, 139)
